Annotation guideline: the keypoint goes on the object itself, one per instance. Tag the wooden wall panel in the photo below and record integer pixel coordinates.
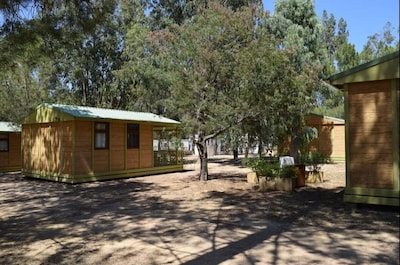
(132, 160)
(67, 147)
(83, 147)
(15, 149)
(44, 151)
(101, 161)
(146, 146)
(338, 141)
(117, 146)
(35, 163)
(370, 135)
(26, 146)
(374, 175)
(54, 148)
(12, 157)
(3, 159)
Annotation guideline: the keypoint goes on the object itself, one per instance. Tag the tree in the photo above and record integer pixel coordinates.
(80, 39)
(165, 13)
(380, 44)
(204, 61)
(296, 24)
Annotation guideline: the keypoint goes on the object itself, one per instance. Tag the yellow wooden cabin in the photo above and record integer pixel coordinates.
(10, 147)
(77, 144)
(330, 140)
(372, 130)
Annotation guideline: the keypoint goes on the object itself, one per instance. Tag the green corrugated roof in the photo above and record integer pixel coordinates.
(100, 113)
(9, 127)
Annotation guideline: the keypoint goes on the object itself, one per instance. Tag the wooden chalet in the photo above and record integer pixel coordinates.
(10, 147)
(330, 140)
(77, 144)
(372, 130)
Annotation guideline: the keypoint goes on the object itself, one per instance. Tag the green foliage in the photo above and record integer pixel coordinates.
(270, 168)
(263, 167)
(315, 159)
(380, 44)
(219, 68)
(288, 171)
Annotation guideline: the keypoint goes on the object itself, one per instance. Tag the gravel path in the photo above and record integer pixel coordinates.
(175, 219)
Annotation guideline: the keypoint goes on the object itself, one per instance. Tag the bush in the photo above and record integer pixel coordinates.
(288, 172)
(317, 158)
(263, 167)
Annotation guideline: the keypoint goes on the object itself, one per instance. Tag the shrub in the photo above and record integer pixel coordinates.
(263, 167)
(316, 159)
(288, 172)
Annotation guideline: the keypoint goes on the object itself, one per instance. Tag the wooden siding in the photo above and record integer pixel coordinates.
(117, 146)
(331, 136)
(101, 161)
(64, 151)
(338, 142)
(26, 146)
(146, 146)
(67, 148)
(370, 134)
(11, 160)
(83, 147)
(132, 160)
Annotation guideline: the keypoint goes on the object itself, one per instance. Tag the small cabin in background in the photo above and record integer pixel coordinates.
(330, 141)
(372, 97)
(77, 144)
(10, 147)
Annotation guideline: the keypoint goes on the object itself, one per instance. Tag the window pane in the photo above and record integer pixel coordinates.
(101, 126)
(133, 135)
(100, 140)
(133, 126)
(3, 145)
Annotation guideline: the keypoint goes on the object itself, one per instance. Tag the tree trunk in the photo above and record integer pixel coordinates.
(246, 150)
(201, 147)
(235, 154)
(293, 143)
(260, 148)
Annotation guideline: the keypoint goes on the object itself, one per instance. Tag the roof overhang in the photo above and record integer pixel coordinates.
(383, 68)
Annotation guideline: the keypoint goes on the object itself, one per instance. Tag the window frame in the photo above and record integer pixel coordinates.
(101, 131)
(132, 129)
(6, 140)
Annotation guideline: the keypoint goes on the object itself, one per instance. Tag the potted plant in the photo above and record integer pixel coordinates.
(269, 176)
(286, 179)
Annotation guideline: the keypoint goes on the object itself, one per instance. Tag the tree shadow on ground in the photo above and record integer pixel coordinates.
(320, 209)
(45, 222)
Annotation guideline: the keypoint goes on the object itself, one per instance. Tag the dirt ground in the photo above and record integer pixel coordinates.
(175, 219)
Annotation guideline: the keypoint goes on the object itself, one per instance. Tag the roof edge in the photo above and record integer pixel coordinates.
(366, 65)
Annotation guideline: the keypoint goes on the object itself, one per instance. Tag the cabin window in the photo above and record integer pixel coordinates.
(133, 136)
(4, 142)
(101, 135)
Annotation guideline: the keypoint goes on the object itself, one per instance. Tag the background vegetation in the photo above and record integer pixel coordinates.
(222, 68)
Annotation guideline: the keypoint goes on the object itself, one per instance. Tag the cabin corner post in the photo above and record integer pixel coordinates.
(74, 148)
(395, 132)
(126, 146)
(347, 134)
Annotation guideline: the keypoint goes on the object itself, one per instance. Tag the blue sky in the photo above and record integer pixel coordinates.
(363, 17)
